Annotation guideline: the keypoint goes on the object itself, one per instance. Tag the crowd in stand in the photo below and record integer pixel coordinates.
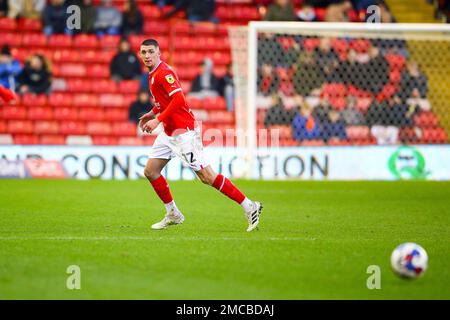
(315, 114)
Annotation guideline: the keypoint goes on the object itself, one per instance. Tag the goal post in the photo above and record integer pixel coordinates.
(345, 73)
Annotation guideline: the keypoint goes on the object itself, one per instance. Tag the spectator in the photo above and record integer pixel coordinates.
(269, 50)
(4, 8)
(139, 107)
(386, 118)
(351, 115)
(322, 110)
(413, 82)
(326, 58)
(132, 20)
(333, 127)
(281, 10)
(88, 14)
(125, 64)
(338, 12)
(308, 75)
(305, 126)
(307, 14)
(55, 18)
(162, 3)
(108, 20)
(196, 10)
(226, 88)
(277, 114)
(35, 76)
(9, 69)
(206, 84)
(143, 82)
(30, 9)
(268, 81)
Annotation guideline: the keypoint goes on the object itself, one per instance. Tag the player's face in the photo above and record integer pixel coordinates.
(150, 55)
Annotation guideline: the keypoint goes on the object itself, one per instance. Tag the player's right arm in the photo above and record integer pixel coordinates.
(147, 117)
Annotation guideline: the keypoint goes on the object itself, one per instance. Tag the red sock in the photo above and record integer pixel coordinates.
(162, 189)
(225, 186)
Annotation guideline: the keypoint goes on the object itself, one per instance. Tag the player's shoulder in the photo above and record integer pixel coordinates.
(165, 72)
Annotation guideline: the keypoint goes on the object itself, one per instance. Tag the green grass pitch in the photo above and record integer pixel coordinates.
(315, 241)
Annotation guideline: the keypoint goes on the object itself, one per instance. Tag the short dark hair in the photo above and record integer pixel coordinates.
(150, 42)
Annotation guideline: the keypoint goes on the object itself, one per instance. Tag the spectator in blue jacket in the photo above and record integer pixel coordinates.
(334, 127)
(9, 69)
(305, 126)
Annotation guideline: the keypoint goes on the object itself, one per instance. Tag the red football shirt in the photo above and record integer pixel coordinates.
(164, 84)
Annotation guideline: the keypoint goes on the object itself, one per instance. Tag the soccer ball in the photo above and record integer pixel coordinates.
(409, 260)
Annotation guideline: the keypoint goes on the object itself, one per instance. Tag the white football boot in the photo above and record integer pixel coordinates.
(253, 216)
(174, 217)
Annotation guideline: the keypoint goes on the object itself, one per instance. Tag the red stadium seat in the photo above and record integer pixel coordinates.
(312, 143)
(40, 113)
(129, 86)
(27, 25)
(115, 114)
(65, 55)
(79, 85)
(85, 100)
(124, 129)
(109, 41)
(20, 127)
(72, 128)
(396, 61)
(105, 140)
(156, 27)
(46, 127)
(222, 117)
(149, 139)
(150, 12)
(131, 141)
(99, 71)
(85, 41)
(26, 139)
(65, 114)
(52, 140)
(60, 99)
(91, 114)
(68, 70)
(104, 86)
(357, 132)
(98, 128)
(11, 39)
(311, 44)
(112, 100)
(34, 40)
(216, 103)
(426, 119)
(60, 41)
(7, 24)
(32, 100)
(13, 113)
(360, 45)
(434, 135)
(3, 126)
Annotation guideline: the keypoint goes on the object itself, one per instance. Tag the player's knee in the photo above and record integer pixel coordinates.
(206, 178)
(151, 174)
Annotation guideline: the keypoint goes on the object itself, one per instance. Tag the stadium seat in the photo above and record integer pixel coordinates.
(7, 24)
(104, 86)
(216, 103)
(68, 70)
(11, 39)
(434, 135)
(6, 139)
(99, 71)
(20, 127)
(85, 41)
(124, 129)
(79, 85)
(91, 114)
(65, 114)
(112, 100)
(426, 119)
(60, 99)
(129, 86)
(312, 143)
(65, 55)
(115, 114)
(34, 40)
(98, 128)
(52, 140)
(149, 139)
(13, 113)
(26, 139)
(40, 113)
(156, 27)
(78, 140)
(110, 41)
(221, 117)
(33, 100)
(85, 100)
(72, 128)
(3, 126)
(105, 140)
(29, 25)
(131, 141)
(46, 127)
(60, 41)
(357, 132)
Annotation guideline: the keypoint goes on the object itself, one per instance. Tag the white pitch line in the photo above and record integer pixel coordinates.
(155, 238)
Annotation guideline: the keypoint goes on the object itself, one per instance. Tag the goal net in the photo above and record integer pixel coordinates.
(334, 84)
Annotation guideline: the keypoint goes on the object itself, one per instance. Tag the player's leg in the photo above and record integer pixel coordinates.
(252, 208)
(152, 172)
(159, 156)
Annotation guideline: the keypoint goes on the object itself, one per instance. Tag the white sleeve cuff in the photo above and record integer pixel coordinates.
(174, 91)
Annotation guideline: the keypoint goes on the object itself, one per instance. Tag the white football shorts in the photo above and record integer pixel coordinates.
(187, 146)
